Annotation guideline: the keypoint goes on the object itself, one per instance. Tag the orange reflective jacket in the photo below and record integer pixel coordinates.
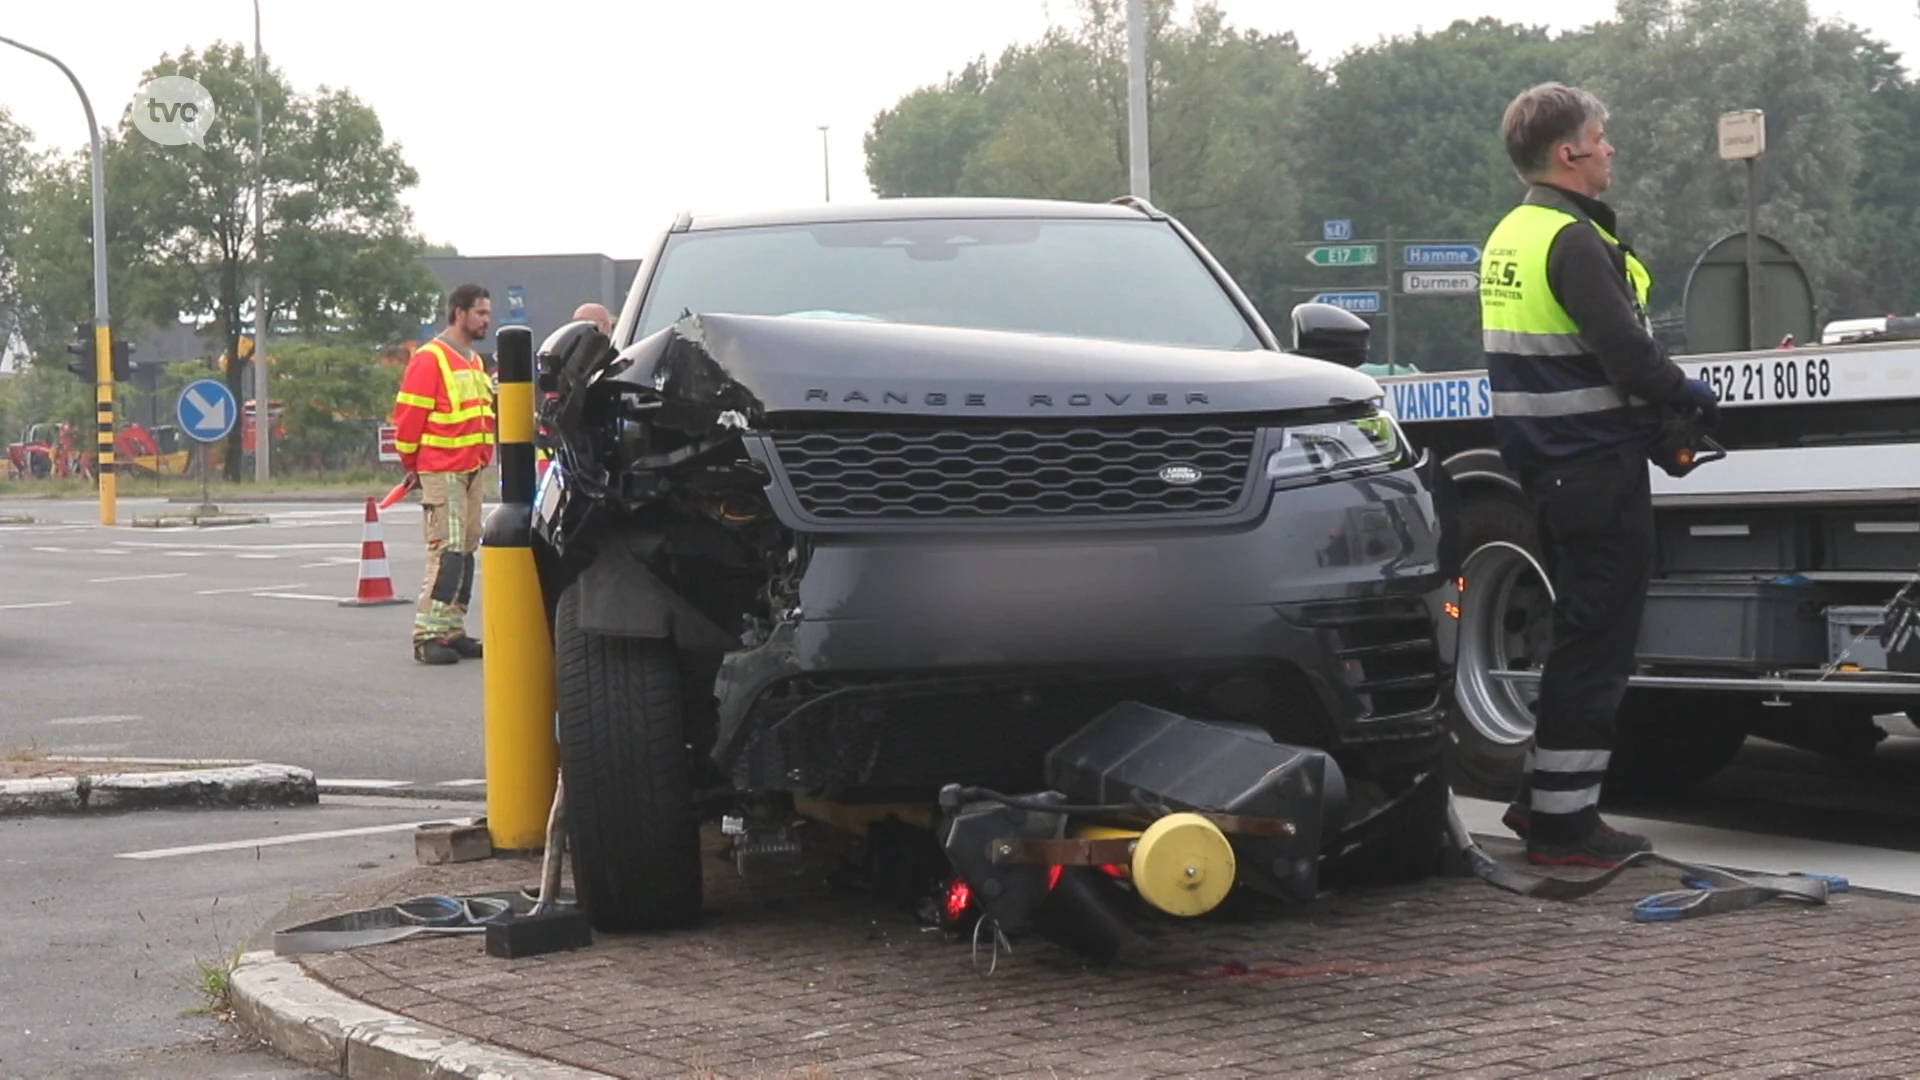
(444, 412)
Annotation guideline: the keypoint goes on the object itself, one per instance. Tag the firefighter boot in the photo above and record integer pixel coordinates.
(434, 652)
(467, 647)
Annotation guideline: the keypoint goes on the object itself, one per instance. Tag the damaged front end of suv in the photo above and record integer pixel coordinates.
(814, 563)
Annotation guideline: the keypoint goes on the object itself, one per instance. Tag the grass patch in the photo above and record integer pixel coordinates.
(212, 980)
(31, 752)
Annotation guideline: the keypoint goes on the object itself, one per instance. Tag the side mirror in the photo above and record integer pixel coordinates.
(572, 346)
(1329, 333)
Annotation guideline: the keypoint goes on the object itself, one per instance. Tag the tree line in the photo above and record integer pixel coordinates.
(342, 261)
(1254, 146)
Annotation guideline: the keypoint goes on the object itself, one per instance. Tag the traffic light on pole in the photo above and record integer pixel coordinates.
(82, 348)
(122, 360)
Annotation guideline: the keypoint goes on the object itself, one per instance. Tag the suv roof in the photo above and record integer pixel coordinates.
(918, 209)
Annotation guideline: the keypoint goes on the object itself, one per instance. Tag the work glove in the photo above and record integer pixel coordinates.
(1698, 395)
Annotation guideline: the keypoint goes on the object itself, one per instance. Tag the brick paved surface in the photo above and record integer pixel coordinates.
(1448, 978)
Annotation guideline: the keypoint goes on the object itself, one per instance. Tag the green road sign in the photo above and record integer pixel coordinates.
(1345, 255)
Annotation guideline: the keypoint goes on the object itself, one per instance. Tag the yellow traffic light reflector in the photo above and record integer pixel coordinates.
(1183, 865)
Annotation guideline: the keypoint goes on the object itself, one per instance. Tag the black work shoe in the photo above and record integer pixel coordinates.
(1603, 849)
(468, 648)
(433, 652)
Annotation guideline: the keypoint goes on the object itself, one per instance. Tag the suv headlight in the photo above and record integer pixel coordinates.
(1317, 451)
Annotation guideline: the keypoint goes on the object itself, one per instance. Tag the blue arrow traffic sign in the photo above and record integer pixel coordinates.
(1363, 302)
(206, 410)
(1440, 254)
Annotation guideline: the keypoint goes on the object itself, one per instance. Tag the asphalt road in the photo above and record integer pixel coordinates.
(230, 642)
(226, 641)
(103, 922)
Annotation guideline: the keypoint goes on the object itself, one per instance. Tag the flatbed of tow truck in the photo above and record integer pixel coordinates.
(1823, 449)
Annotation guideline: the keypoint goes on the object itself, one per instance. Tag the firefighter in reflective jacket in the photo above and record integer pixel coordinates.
(1579, 387)
(444, 413)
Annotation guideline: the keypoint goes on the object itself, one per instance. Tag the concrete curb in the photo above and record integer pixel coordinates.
(244, 785)
(197, 521)
(344, 498)
(419, 793)
(305, 1019)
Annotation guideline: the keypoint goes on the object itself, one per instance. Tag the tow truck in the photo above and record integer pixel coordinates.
(1784, 598)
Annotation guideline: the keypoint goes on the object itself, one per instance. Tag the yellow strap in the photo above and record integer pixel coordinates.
(406, 447)
(454, 442)
(420, 400)
(460, 416)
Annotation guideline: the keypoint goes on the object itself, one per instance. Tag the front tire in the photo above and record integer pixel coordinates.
(631, 824)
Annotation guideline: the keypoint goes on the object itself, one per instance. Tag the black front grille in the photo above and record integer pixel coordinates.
(1035, 473)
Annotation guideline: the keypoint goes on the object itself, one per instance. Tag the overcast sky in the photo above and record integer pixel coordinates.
(706, 104)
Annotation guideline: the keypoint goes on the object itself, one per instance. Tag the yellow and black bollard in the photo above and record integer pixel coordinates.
(517, 680)
(103, 462)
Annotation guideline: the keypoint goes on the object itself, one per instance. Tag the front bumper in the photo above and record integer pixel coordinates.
(1340, 585)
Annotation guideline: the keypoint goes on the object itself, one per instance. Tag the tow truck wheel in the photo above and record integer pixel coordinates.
(1506, 623)
(631, 825)
(1669, 741)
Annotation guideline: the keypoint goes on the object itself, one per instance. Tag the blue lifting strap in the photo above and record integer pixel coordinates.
(1707, 890)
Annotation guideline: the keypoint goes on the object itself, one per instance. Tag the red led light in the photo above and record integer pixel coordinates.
(958, 897)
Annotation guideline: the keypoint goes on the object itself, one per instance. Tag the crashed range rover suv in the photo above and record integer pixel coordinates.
(915, 503)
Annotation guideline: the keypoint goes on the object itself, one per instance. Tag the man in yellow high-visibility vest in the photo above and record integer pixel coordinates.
(1579, 384)
(444, 413)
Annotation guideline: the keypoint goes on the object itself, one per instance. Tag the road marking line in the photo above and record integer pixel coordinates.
(246, 555)
(460, 783)
(76, 721)
(350, 782)
(276, 841)
(177, 545)
(249, 589)
(110, 551)
(132, 577)
(41, 603)
(186, 554)
(52, 550)
(201, 763)
(296, 596)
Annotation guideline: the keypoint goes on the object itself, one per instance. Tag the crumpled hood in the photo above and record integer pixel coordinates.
(760, 366)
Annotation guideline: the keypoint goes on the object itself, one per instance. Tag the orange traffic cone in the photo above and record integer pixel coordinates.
(376, 582)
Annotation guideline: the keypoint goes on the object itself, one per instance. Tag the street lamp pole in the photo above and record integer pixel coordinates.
(826, 168)
(102, 335)
(1139, 173)
(261, 429)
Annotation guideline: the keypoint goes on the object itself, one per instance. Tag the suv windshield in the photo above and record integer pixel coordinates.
(1109, 278)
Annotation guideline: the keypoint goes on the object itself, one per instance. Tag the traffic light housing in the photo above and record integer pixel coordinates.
(122, 360)
(82, 348)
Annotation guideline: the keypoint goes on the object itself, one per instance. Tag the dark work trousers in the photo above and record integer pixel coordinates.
(1596, 535)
